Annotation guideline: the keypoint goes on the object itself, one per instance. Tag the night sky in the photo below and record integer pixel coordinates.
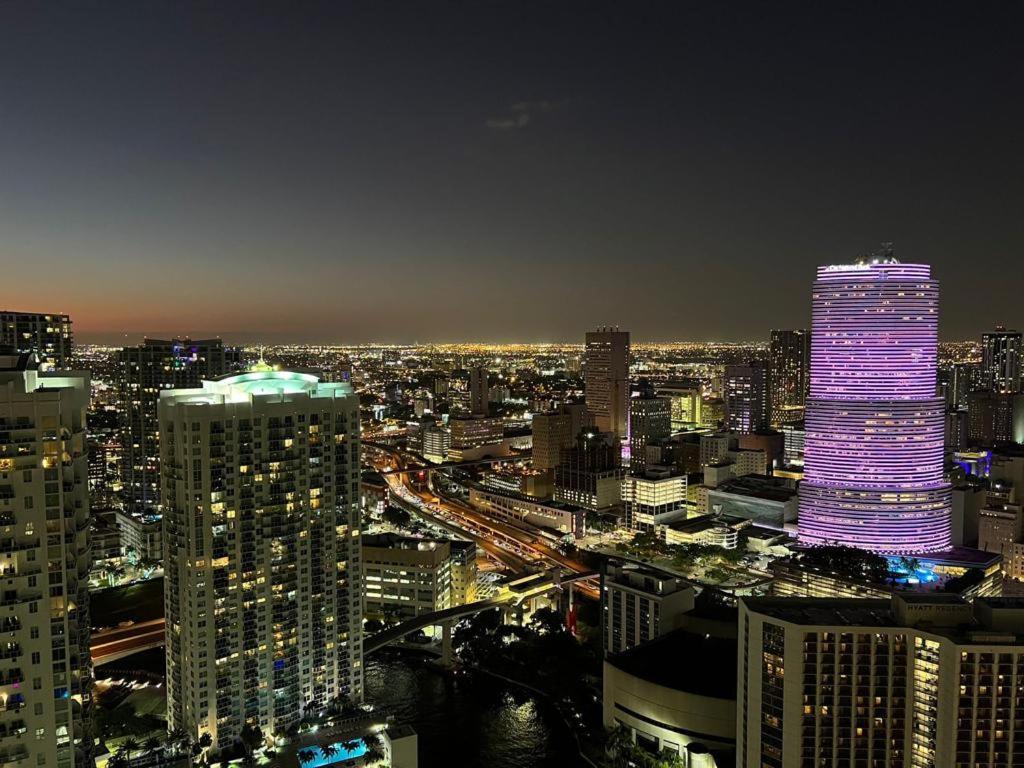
(520, 171)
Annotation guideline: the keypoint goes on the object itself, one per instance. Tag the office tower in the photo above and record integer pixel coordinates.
(478, 391)
(437, 442)
(639, 604)
(143, 372)
(555, 431)
(746, 397)
(655, 498)
(405, 576)
(789, 363)
(45, 668)
(873, 474)
(921, 681)
(1001, 360)
(262, 587)
(650, 419)
(687, 402)
(590, 473)
(606, 380)
(48, 336)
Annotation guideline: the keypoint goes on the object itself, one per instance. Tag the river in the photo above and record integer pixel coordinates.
(469, 720)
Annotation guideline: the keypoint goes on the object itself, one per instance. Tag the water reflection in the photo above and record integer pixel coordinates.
(471, 720)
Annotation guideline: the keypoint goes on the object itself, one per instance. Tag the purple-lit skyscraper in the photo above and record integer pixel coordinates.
(874, 444)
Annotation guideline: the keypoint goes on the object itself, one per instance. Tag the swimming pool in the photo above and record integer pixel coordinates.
(339, 757)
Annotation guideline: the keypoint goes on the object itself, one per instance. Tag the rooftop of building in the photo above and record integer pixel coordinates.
(261, 380)
(854, 612)
(759, 486)
(663, 662)
(398, 541)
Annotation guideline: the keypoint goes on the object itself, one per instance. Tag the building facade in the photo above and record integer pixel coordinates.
(590, 474)
(606, 379)
(650, 420)
(655, 498)
(921, 682)
(1001, 360)
(747, 399)
(262, 586)
(639, 604)
(405, 576)
(49, 336)
(45, 668)
(143, 372)
(555, 431)
(873, 454)
(789, 374)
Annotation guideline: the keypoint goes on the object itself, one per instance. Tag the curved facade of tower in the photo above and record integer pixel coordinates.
(874, 427)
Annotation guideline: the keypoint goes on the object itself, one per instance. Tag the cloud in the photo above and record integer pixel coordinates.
(520, 114)
(510, 123)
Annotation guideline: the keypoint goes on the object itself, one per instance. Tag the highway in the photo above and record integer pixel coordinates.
(498, 538)
(112, 644)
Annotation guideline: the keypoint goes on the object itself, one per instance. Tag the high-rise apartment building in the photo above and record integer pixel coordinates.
(1001, 362)
(143, 372)
(262, 589)
(919, 682)
(606, 379)
(45, 668)
(478, 398)
(873, 453)
(47, 335)
(650, 420)
(747, 403)
(993, 417)
(789, 374)
(639, 604)
(555, 431)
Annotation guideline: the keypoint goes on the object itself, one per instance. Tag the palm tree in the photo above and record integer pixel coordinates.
(178, 740)
(329, 751)
(128, 746)
(373, 753)
(350, 746)
(151, 746)
(306, 755)
(117, 760)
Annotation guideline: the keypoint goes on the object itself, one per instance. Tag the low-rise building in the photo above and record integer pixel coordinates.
(768, 501)
(564, 518)
(708, 530)
(141, 534)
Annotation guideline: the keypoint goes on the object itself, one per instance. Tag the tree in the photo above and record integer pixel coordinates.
(374, 748)
(306, 755)
(151, 746)
(252, 737)
(117, 760)
(128, 746)
(547, 622)
(329, 751)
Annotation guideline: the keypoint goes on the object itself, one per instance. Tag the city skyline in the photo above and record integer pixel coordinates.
(344, 173)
